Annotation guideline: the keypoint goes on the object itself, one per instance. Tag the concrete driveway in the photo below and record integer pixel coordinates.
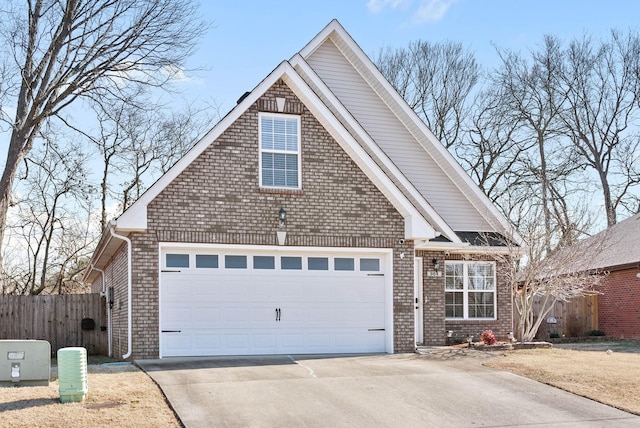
(436, 390)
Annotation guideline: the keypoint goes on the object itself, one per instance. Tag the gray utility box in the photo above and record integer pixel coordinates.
(25, 362)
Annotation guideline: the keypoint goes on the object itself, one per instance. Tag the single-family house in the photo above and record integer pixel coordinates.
(616, 251)
(320, 215)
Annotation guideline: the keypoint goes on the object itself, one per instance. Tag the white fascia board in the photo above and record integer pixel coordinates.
(418, 224)
(416, 228)
(466, 248)
(135, 217)
(413, 123)
(317, 41)
(440, 224)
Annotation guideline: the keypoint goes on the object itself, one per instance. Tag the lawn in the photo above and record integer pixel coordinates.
(119, 396)
(123, 396)
(588, 370)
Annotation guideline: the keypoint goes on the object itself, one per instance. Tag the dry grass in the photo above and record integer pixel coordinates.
(124, 396)
(610, 378)
(119, 396)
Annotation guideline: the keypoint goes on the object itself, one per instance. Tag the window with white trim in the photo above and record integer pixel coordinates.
(470, 290)
(279, 151)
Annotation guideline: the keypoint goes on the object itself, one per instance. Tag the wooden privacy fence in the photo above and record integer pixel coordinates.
(62, 320)
(574, 318)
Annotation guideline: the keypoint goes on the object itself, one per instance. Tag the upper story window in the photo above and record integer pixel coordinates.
(279, 151)
(470, 290)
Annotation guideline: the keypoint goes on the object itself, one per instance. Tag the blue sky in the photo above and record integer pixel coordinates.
(248, 39)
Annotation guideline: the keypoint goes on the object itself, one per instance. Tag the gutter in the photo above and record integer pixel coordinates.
(129, 302)
(104, 293)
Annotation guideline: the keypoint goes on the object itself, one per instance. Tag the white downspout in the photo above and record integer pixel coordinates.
(106, 294)
(129, 302)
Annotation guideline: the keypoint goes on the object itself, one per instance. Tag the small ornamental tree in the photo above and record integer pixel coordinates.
(538, 279)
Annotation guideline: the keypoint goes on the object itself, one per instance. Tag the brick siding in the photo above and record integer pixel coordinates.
(435, 323)
(115, 275)
(619, 304)
(217, 199)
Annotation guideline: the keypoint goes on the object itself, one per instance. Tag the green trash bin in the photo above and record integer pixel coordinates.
(72, 374)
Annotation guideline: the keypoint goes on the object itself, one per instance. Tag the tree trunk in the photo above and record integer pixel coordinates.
(15, 154)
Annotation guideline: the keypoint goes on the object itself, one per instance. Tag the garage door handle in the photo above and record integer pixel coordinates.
(278, 314)
(376, 329)
(171, 331)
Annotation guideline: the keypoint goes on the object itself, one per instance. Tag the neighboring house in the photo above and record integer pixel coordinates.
(319, 216)
(616, 250)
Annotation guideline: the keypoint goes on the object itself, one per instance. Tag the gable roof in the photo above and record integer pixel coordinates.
(423, 221)
(423, 160)
(416, 226)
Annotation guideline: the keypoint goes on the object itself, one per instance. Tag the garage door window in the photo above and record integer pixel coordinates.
(177, 260)
(370, 265)
(290, 263)
(235, 262)
(206, 261)
(277, 262)
(342, 263)
(318, 263)
(264, 262)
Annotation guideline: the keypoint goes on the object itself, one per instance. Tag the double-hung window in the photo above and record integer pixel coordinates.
(279, 151)
(470, 290)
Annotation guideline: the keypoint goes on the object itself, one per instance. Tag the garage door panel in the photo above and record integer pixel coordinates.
(176, 343)
(265, 343)
(234, 311)
(206, 317)
(236, 317)
(236, 342)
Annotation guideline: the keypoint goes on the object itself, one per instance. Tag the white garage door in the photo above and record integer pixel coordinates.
(234, 302)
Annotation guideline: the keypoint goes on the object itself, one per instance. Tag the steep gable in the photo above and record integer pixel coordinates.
(416, 226)
(357, 106)
(406, 142)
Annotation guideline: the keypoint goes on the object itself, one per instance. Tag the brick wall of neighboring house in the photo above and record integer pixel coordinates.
(435, 323)
(619, 304)
(217, 199)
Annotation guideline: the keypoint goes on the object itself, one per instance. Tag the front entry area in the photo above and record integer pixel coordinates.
(418, 301)
(248, 301)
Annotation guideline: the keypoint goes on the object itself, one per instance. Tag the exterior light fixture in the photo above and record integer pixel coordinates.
(436, 264)
(282, 233)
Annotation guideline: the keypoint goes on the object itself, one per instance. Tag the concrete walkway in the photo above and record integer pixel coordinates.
(442, 388)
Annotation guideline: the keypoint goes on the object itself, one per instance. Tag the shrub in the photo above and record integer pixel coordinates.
(488, 338)
(554, 336)
(596, 333)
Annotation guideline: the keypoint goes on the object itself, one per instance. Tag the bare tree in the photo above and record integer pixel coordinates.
(494, 146)
(603, 82)
(137, 145)
(538, 279)
(536, 97)
(57, 51)
(47, 224)
(436, 80)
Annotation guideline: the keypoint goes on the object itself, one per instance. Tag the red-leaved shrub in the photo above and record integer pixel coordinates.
(488, 338)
